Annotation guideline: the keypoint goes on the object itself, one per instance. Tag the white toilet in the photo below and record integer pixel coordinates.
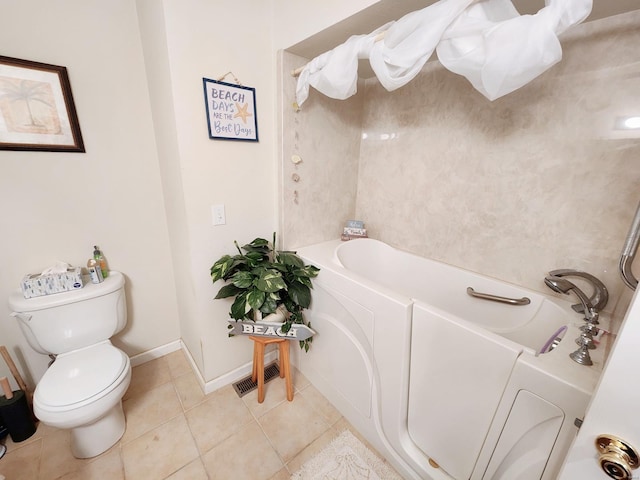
(83, 389)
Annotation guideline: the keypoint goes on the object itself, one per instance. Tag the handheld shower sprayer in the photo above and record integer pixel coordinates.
(564, 286)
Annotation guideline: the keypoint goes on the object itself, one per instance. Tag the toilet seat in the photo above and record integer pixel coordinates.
(77, 377)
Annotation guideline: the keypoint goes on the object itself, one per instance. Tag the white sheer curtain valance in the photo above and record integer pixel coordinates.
(487, 41)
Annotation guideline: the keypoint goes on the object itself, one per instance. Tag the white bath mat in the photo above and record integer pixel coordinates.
(345, 458)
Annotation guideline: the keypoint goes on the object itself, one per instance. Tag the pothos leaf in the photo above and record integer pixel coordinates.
(228, 291)
(289, 258)
(310, 271)
(305, 281)
(258, 245)
(242, 279)
(271, 281)
(300, 294)
(255, 298)
(255, 258)
(270, 304)
(221, 267)
(240, 307)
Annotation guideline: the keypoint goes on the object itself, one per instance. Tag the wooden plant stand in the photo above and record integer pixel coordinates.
(258, 363)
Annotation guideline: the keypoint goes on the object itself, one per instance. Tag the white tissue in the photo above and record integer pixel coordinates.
(59, 267)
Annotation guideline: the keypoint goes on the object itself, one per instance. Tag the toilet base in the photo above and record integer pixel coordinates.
(91, 440)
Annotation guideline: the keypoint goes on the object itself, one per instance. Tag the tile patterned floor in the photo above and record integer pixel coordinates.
(175, 432)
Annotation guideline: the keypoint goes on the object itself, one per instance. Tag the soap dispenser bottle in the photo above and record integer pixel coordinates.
(99, 258)
(95, 272)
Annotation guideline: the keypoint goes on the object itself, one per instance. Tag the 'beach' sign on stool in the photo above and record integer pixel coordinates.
(271, 329)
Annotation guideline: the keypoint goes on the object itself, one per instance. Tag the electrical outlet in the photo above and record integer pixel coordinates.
(217, 214)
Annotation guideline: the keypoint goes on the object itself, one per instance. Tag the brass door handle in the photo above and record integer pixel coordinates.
(617, 458)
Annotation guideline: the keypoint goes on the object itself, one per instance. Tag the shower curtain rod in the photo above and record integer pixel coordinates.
(296, 72)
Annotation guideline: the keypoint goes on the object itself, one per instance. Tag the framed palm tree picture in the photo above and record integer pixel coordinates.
(36, 108)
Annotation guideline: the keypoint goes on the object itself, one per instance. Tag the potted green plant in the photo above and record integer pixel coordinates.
(262, 279)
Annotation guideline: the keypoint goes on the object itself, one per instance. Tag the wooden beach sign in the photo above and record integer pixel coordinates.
(271, 329)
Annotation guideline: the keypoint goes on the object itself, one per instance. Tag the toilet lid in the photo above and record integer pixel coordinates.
(77, 376)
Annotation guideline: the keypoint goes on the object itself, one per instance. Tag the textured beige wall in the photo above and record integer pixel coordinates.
(325, 134)
(534, 181)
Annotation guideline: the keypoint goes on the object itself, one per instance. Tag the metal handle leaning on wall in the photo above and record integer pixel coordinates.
(629, 252)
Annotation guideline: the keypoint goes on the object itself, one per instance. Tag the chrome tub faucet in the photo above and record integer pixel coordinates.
(561, 285)
(589, 329)
(600, 295)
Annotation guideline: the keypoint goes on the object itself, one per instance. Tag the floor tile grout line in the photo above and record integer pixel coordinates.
(183, 412)
(219, 442)
(40, 456)
(123, 470)
(186, 421)
(259, 423)
(162, 423)
(286, 463)
(273, 447)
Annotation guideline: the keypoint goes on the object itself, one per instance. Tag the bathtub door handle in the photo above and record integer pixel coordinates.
(617, 457)
(496, 298)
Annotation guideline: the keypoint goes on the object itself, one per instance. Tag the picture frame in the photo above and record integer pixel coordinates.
(231, 111)
(37, 112)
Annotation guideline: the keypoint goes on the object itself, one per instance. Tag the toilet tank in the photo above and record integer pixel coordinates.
(59, 323)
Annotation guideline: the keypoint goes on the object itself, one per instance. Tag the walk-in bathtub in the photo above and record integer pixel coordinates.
(445, 385)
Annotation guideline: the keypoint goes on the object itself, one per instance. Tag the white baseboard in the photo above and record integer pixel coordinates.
(207, 387)
(154, 353)
(235, 375)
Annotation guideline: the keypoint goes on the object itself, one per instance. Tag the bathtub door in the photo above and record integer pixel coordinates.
(458, 375)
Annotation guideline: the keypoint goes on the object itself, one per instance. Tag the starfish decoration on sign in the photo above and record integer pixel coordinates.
(242, 112)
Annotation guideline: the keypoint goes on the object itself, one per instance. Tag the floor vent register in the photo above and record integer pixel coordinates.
(246, 385)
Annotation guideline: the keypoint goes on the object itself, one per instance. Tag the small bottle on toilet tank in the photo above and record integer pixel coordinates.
(95, 272)
(102, 262)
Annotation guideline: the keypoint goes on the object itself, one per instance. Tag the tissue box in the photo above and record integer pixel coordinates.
(349, 233)
(36, 284)
(355, 232)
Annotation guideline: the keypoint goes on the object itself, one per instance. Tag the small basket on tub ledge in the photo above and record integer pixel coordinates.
(353, 229)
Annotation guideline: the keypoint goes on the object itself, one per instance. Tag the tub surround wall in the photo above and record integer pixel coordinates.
(324, 194)
(534, 181)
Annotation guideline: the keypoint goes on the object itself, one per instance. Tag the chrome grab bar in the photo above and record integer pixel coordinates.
(496, 298)
(629, 252)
